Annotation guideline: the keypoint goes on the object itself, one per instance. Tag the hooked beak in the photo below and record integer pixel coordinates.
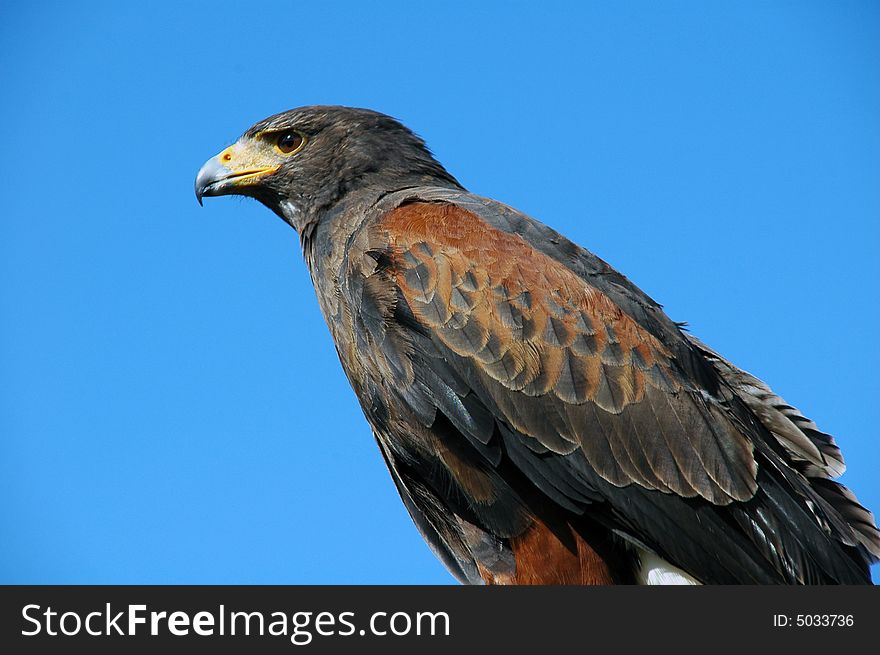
(210, 178)
(219, 177)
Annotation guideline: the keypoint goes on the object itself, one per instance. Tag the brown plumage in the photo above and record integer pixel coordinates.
(543, 556)
(543, 419)
(527, 324)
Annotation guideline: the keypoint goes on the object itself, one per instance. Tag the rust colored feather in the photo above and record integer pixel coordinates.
(560, 360)
(532, 319)
(543, 557)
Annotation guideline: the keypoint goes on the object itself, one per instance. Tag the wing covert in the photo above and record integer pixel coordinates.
(557, 361)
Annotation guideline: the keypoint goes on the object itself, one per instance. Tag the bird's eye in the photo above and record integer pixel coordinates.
(289, 142)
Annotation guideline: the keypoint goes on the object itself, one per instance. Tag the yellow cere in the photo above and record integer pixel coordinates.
(248, 159)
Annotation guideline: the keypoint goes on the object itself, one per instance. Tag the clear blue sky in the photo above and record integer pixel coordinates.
(171, 405)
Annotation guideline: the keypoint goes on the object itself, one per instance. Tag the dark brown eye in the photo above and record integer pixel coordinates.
(288, 142)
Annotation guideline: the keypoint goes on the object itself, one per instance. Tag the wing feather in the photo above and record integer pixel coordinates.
(559, 359)
(543, 357)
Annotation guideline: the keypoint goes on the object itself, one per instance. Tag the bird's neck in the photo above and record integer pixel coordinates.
(325, 231)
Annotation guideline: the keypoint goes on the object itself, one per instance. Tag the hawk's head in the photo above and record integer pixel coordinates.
(303, 161)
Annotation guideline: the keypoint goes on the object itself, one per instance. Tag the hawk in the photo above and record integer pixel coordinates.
(542, 418)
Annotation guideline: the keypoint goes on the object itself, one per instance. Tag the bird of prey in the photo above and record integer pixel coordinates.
(542, 418)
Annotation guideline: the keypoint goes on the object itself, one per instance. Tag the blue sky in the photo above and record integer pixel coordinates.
(171, 405)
